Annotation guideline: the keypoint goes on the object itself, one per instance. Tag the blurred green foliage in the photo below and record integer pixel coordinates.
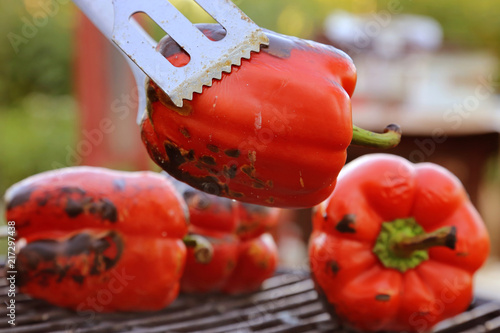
(38, 120)
(469, 24)
(37, 112)
(34, 134)
(36, 57)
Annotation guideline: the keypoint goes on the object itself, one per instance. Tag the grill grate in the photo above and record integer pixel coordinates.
(286, 303)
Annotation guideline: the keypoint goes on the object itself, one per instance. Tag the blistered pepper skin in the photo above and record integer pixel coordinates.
(257, 261)
(211, 277)
(244, 253)
(254, 220)
(92, 239)
(272, 132)
(355, 261)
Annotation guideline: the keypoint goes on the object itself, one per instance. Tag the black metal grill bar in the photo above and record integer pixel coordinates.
(286, 303)
(470, 319)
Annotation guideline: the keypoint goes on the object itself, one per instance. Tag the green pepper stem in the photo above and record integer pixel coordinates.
(364, 138)
(445, 236)
(403, 244)
(203, 249)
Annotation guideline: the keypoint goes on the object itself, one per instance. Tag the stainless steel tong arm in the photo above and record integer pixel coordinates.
(101, 14)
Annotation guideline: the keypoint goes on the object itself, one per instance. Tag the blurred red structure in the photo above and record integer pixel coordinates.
(107, 98)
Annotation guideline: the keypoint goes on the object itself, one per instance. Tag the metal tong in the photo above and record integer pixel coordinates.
(208, 59)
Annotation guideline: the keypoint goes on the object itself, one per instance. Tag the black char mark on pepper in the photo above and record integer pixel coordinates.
(230, 171)
(333, 266)
(236, 194)
(44, 200)
(248, 170)
(78, 278)
(213, 148)
(383, 297)
(72, 189)
(20, 196)
(73, 208)
(209, 160)
(258, 185)
(346, 224)
(174, 160)
(155, 94)
(100, 245)
(151, 93)
(184, 131)
(232, 153)
(104, 208)
(43, 259)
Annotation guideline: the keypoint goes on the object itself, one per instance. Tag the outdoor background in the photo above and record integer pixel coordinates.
(39, 115)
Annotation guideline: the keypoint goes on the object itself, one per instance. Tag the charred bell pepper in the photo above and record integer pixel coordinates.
(244, 253)
(272, 132)
(93, 239)
(396, 245)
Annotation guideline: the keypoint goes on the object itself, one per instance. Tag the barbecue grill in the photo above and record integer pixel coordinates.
(286, 302)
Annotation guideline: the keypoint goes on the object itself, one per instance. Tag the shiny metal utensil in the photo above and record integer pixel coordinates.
(208, 59)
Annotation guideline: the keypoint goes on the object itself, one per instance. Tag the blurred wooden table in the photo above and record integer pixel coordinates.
(463, 142)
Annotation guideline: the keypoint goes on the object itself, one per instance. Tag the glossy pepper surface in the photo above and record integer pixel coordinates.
(396, 245)
(244, 253)
(92, 239)
(272, 132)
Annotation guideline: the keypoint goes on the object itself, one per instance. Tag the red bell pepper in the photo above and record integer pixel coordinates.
(396, 245)
(92, 239)
(244, 253)
(272, 132)
(254, 220)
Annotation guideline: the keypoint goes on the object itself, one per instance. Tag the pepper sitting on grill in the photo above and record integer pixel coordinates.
(244, 253)
(100, 240)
